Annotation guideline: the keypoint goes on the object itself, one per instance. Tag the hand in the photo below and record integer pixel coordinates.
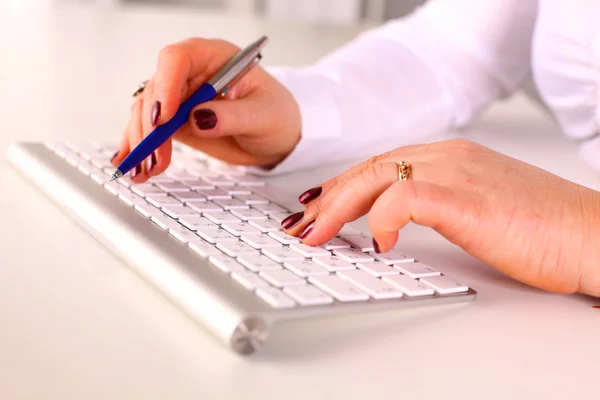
(258, 123)
(534, 226)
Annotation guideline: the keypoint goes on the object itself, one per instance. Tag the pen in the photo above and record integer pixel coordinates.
(219, 84)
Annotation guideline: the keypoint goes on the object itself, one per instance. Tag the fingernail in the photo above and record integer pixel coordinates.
(310, 195)
(151, 162)
(137, 170)
(155, 113)
(292, 220)
(114, 156)
(205, 118)
(307, 230)
(376, 246)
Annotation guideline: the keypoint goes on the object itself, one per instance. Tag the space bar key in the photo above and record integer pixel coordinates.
(341, 289)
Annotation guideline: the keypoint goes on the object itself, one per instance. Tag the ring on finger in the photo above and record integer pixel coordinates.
(404, 171)
(140, 88)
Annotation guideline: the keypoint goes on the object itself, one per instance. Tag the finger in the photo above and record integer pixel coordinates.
(135, 136)
(123, 149)
(423, 203)
(178, 64)
(347, 202)
(221, 118)
(159, 160)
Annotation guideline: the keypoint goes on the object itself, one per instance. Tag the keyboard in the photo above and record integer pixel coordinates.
(207, 235)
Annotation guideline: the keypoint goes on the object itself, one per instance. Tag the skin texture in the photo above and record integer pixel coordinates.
(245, 133)
(533, 226)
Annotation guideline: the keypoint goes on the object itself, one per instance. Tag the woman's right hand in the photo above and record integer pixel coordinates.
(257, 123)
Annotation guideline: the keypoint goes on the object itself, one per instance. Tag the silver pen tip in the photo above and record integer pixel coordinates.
(116, 175)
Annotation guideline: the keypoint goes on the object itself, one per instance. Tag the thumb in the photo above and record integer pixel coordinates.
(219, 118)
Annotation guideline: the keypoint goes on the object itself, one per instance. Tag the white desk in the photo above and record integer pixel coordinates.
(76, 323)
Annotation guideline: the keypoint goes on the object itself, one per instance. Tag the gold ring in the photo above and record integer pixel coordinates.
(404, 171)
(140, 88)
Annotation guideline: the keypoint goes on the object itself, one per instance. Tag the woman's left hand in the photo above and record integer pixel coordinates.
(528, 223)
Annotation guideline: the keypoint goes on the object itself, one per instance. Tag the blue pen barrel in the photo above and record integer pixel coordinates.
(158, 136)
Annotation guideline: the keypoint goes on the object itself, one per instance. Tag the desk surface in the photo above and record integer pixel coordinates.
(77, 323)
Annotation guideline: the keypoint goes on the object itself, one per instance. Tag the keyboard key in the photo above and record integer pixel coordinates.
(251, 198)
(203, 206)
(236, 249)
(249, 280)
(188, 196)
(341, 289)
(247, 180)
(410, 287)
(309, 251)
(172, 186)
(147, 189)
(230, 204)
(377, 268)
(164, 221)
(179, 211)
(221, 217)
(282, 254)
(333, 263)
(336, 243)
(161, 201)
(281, 278)
(226, 264)
(203, 248)
(444, 284)
(247, 215)
(305, 268)
(214, 194)
(218, 180)
(277, 216)
(308, 295)
(182, 234)
(131, 199)
(260, 241)
(258, 263)
(283, 237)
(373, 286)
(216, 236)
(270, 208)
(361, 242)
(275, 298)
(238, 190)
(240, 228)
(394, 256)
(353, 255)
(198, 184)
(195, 222)
(147, 210)
(416, 270)
(266, 225)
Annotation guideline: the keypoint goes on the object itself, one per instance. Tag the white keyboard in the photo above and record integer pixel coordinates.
(229, 221)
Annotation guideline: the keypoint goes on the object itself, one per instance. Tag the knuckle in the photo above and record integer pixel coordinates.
(170, 51)
(372, 173)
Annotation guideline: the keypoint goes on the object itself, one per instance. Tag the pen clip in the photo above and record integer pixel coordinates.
(230, 85)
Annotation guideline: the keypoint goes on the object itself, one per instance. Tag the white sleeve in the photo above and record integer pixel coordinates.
(431, 71)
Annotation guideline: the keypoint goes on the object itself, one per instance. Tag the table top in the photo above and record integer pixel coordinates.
(77, 323)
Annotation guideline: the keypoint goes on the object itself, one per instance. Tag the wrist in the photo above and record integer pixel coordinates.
(590, 249)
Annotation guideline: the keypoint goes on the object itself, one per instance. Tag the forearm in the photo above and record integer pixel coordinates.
(590, 246)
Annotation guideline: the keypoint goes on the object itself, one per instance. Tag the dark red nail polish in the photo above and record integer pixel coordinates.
(136, 171)
(376, 246)
(151, 162)
(307, 230)
(155, 113)
(292, 220)
(310, 195)
(205, 118)
(114, 156)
